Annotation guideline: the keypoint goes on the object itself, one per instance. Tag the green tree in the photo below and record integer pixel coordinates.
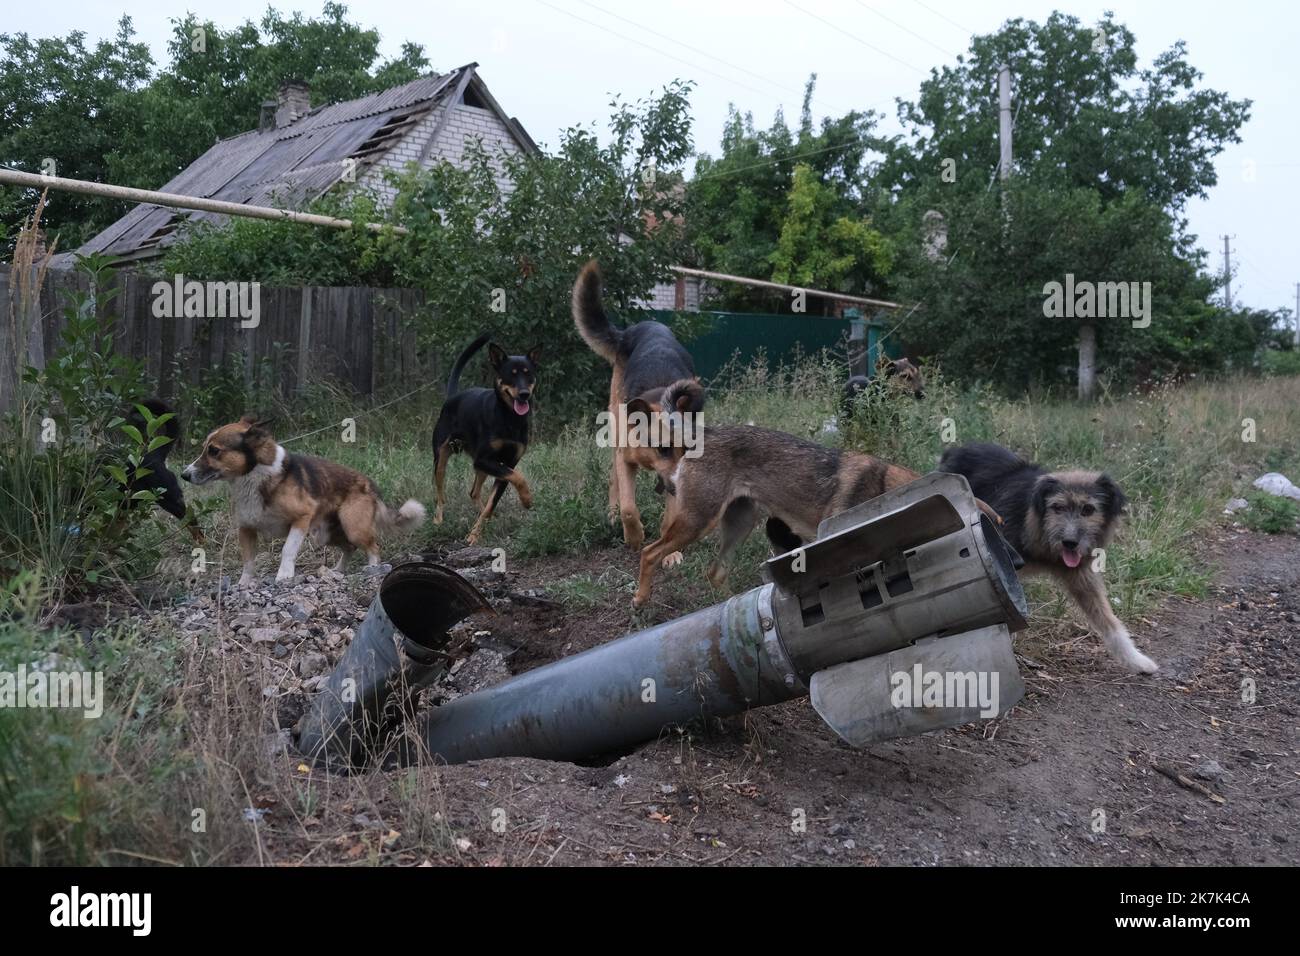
(104, 114)
(739, 204)
(820, 249)
(63, 105)
(1107, 155)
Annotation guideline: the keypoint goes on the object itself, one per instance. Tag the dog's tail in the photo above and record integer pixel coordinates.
(966, 459)
(409, 515)
(589, 315)
(683, 395)
(453, 380)
(171, 428)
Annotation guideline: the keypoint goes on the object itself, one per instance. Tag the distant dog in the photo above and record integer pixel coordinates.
(491, 424)
(279, 494)
(745, 471)
(650, 365)
(892, 373)
(1056, 520)
(160, 478)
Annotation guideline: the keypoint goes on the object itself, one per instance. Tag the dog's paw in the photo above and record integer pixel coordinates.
(282, 576)
(717, 575)
(472, 538)
(672, 560)
(437, 516)
(1125, 651)
(245, 581)
(1139, 663)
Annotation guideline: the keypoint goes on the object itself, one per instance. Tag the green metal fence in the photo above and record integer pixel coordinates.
(779, 337)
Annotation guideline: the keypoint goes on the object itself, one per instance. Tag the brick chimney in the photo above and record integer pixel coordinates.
(292, 101)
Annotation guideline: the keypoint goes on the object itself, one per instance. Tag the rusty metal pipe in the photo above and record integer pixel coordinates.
(712, 663)
(397, 651)
(916, 579)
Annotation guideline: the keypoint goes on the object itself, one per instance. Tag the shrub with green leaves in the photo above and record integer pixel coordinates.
(1271, 514)
(68, 455)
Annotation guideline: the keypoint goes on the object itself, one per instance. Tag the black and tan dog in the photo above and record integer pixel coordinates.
(158, 477)
(649, 365)
(1056, 520)
(898, 374)
(745, 471)
(279, 495)
(491, 425)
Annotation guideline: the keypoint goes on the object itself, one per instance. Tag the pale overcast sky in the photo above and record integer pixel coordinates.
(554, 63)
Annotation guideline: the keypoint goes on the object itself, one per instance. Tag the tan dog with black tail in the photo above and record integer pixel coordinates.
(650, 365)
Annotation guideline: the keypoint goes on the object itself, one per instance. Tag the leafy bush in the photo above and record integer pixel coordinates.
(1278, 362)
(1271, 514)
(67, 454)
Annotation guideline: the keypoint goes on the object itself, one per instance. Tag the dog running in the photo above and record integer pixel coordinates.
(746, 470)
(650, 365)
(491, 424)
(1056, 520)
(279, 494)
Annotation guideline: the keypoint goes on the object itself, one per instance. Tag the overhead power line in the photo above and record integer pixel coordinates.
(870, 46)
(967, 30)
(923, 39)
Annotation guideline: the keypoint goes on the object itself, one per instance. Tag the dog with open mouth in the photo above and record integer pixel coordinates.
(283, 495)
(490, 424)
(1057, 520)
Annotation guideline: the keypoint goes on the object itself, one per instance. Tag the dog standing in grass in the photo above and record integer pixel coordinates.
(1056, 520)
(650, 365)
(900, 374)
(491, 424)
(279, 494)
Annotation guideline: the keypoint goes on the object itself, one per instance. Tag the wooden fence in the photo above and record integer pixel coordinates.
(361, 338)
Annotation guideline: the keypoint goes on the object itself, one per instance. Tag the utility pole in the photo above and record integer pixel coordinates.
(1297, 315)
(1004, 121)
(1227, 273)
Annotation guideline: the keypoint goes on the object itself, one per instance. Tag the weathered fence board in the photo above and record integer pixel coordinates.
(360, 338)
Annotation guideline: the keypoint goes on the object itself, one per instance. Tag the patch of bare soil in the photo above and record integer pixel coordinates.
(1094, 766)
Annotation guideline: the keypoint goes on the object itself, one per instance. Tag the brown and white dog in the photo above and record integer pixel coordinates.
(651, 366)
(1057, 520)
(279, 494)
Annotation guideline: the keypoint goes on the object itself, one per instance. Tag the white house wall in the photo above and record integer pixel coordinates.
(466, 123)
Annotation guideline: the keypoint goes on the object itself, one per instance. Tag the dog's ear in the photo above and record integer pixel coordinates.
(1113, 499)
(1045, 485)
(255, 421)
(496, 354)
(260, 443)
(535, 355)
